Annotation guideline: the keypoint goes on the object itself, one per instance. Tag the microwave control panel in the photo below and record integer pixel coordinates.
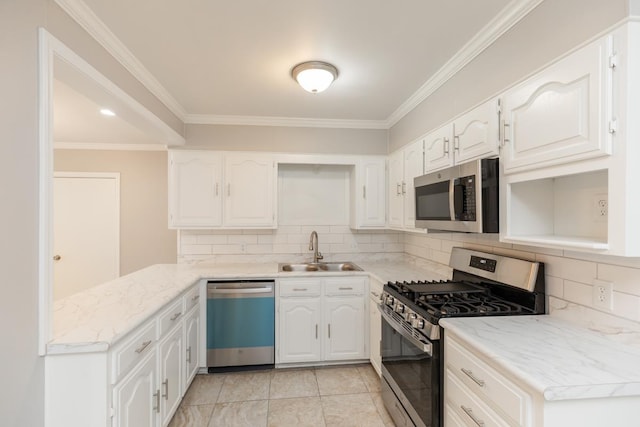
(465, 198)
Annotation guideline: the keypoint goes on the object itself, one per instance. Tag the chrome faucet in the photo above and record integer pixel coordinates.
(314, 247)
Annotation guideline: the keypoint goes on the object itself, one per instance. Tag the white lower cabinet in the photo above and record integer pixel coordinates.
(375, 325)
(321, 319)
(139, 382)
(136, 397)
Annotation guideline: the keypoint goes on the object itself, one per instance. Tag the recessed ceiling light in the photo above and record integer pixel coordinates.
(107, 112)
(314, 76)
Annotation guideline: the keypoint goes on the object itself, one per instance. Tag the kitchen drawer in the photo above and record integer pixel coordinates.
(170, 317)
(191, 298)
(487, 383)
(127, 354)
(299, 288)
(470, 409)
(345, 286)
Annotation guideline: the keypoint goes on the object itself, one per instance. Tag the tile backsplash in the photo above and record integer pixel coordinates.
(569, 275)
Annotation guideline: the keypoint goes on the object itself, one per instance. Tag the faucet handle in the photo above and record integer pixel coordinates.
(320, 255)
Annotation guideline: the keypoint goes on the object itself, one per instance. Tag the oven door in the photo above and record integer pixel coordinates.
(411, 373)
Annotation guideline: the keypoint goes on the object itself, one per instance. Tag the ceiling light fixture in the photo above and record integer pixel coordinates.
(107, 112)
(314, 76)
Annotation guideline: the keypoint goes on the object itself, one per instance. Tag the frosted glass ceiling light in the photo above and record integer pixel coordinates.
(314, 76)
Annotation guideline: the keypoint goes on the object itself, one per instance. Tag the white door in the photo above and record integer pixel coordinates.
(344, 317)
(86, 231)
(171, 368)
(372, 192)
(136, 398)
(476, 133)
(438, 149)
(192, 325)
(250, 190)
(413, 167)
(396, 174)
(299, 330)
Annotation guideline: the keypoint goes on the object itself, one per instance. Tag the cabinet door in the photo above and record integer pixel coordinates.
(561, 114)
(136, 398)
(394, 195)
(370, 193)
(375, 332)
(171, 369)
(344, 326)
(192, 332)
(299, 330)
(413, 167)
(249, 190)
(475, 134)
(195, 192)
(438, 149)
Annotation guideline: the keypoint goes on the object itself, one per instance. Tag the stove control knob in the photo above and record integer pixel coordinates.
(390, 300)
(409, 317)
(399, 308)
(417, 323)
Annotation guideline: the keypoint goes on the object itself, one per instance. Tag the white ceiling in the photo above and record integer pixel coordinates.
(233, 58)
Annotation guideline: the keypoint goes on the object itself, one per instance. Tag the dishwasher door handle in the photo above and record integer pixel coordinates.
(239, 291)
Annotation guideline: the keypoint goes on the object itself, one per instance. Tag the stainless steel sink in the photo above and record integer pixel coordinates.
(320, 267)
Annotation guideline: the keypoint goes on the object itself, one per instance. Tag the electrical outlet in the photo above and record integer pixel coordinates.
(600, 207)
(603, 295)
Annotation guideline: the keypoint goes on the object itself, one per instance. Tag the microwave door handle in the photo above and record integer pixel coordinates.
(452, 208)
(458, 200)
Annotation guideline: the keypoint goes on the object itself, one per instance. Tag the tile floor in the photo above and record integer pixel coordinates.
(329, 396)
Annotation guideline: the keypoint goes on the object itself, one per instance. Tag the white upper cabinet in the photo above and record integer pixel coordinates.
(404, 166)
(249, 190)
(474, 135)
(437, 149)
(195, 185)
(368, 200)
(562, 114)
(209, 189)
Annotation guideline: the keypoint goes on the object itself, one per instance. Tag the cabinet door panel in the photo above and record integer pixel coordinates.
(192, 332)
(171, 367)
(438, 149)
(562, 114)
(135, 397)
(195, 179)
(476, 133)
(299, 330)
(344, 323)
(396, 200)
(372, 172)
(249, 190)
(413, 167)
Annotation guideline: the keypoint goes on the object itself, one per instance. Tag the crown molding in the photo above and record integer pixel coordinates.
(108, 146)
(87, 19)
(507, 18)
(205, 119)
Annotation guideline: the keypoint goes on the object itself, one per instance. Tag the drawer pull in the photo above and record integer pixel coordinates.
(175, 316)
(345, 289)
(156, 398)
(165, 385)
(143, 346)
(469, 373)
(195, 297)
(299, 289)
(469, 413)
(189, 355)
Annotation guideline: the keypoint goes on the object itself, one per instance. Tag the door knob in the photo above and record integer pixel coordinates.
(57, 257)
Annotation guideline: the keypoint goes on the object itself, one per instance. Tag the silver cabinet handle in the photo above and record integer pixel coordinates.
(57, 257)
(445, 147)
(456, 142)
(165, 384)
(469, 413)
(398, 188)
(143, 346)
(175, 316)
(156, 398)
(375, 294)
(195, 297)
(404, 187)
(364, 191)
(316, 331)
(506, 127)
(329, 329)
(217, 187)
(345, 289)
(299, 289)
(229, 189)
(469, 373)
(189, 354)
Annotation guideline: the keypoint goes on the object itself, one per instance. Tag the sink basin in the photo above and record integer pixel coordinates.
(320, 267)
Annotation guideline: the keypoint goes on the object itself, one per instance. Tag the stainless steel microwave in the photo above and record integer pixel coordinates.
(461, 198)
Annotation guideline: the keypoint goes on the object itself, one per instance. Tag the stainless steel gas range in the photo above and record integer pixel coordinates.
(412, 355)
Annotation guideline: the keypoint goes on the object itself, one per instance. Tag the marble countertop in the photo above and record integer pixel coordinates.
(557, 358)
(93, 320)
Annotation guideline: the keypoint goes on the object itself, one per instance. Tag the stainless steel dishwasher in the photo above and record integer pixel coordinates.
(240, 323)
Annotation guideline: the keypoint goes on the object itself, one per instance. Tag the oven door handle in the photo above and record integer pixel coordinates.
(425, 347)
